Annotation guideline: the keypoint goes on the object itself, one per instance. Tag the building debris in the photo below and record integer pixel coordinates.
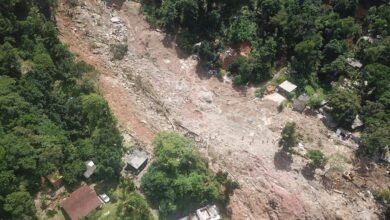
(55, 179)
(354, 63)
(209, 212)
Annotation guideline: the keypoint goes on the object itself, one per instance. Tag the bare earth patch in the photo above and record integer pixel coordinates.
(155, 88)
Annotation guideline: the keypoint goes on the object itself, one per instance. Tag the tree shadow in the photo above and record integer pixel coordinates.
(66, 216)
(168, 41)
(116, 4)
(283, 160)
(308, 171)
(106, 186)
(206, 73)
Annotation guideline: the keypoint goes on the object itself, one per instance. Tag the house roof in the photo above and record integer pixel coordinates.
(91, 167)
(287, 86)
(136, 159)
(81, 202)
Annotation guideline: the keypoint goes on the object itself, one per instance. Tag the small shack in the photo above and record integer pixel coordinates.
(81, 202)
(90, 168)
(55, 179)
(300, 103)
(286, 88)
(136, 161)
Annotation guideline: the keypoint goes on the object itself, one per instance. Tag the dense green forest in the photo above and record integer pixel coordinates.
(314, 39)
(51, 117)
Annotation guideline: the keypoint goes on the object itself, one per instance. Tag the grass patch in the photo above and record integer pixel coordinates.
(339, 162)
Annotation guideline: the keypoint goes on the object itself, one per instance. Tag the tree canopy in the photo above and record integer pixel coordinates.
(179, 181)
(51, 118)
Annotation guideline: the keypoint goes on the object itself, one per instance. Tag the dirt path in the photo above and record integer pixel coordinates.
(154, 88)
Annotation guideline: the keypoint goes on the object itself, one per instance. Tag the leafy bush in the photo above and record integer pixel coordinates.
(259, 93)
(230, 185)
(119, 51)
(186, 41)
(317, 158)
(290, 136)
(345, 105)
(179, 180)
(283, 105)
(134, 206)
(316, 97)
(73, 3)
(384, 197)
(242, 70)
(20, 205)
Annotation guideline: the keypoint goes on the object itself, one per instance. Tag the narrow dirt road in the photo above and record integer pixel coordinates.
(155, 88)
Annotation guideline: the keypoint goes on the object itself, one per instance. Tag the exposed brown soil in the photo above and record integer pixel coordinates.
(156, 87)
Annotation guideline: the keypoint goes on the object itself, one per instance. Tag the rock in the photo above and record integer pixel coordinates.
(273, 216)
(115, 20)
(348, 176)
(357, 123)
(386, 155)
(207, 97)
(342, 215)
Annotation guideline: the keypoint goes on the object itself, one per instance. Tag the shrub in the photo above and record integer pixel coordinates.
(119, 51)
(345, 105)
(186, 40)
(73, 3)
(283, 105)
(384, 197)
(290, 136)
(259, 93)
(179, 179)
(317, 157)
(242, 69)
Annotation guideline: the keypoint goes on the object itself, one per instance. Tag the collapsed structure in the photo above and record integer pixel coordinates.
(209, 212)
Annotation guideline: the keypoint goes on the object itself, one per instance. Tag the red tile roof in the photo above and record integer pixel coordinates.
(81, 202)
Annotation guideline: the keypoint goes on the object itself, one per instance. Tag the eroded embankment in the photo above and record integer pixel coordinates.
(156, 88)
